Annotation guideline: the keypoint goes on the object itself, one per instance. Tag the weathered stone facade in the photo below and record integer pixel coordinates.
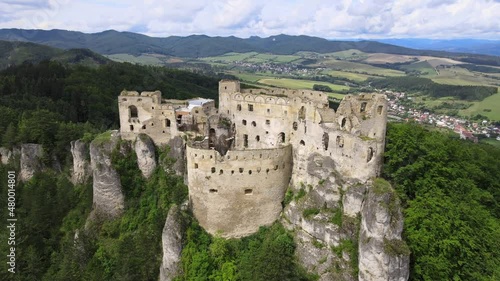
(241, 158)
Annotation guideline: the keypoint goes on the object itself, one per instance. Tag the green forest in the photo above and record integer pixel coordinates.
(450, 190)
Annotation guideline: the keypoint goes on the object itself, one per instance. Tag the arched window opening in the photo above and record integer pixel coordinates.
(133, 111)
(167, 122)
(211, 138)
(326, 139)
(254, 124)
(302, 143)
(363, 107)
(131, 127)
(244, 122)
(342, 124)
(249, 172)
(295, 126)
(302, 113)
(221, 172)
(370, 154)
(241, 170)
(257, 138)
(281, 138)
(144, 127)
(213, 170)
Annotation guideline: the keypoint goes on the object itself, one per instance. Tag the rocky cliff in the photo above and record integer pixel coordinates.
(81, 162)
(172, 245)
(5, 155)
(383, 255)
(30, 163)
(108, 198)
(145, 152)
(345, 229)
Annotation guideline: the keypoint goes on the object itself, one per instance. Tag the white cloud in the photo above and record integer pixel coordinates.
(244, 18)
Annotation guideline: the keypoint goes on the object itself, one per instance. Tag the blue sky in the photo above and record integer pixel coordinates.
(440, 19)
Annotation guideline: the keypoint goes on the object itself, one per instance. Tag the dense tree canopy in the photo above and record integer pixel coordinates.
(451, 192)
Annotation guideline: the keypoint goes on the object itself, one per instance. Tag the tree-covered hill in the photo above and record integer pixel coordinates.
(194, 46)
(15, 53)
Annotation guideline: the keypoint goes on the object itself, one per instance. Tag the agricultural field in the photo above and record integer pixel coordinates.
(142, 59)
(362, 68)
(348, 75)
(455, 75)
(489, 107)
(423, 67)
(251, 57)
(299, 84)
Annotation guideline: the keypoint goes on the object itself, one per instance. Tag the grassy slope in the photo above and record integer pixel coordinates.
(490, 103)
(299, 84)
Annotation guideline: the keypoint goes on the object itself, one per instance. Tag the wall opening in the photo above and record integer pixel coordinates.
(245, 140)
(295, 126)
(213, 170)
(179, 119)
(167, 122)
(379, 109)
(363, 107)
(257, 138)
(249, 172)
(268, 110)
(133, 111)
(268, 122)
(340, 141)
(326, 139)
(275, 167)
(302, 142)
(250, 107)
(221, 172)
(281, 138)
(213, 190)
(302, 113)
(211, 138)
(342, 124)
(144, 127)
(196, 165)
(238, 107)
(241, 170)
(254, 124)
(131, 127)
(244, 122)
(370, 154)
(248, 191)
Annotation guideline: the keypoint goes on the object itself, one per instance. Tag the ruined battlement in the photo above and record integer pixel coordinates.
(242, 156)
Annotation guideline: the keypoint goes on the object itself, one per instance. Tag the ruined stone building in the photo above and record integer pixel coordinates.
(242, 156)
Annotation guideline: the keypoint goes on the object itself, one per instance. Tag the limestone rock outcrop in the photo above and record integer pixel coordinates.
(31, 163)
(81, 162)
(108, 198)
(5, 155)
(145, 152)
(172, 245)
(177, 152)
(383, 255)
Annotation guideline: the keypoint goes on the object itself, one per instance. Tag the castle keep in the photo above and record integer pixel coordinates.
(242, 157)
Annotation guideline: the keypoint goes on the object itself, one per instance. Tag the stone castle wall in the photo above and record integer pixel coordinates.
(236, 193)
(267, 141)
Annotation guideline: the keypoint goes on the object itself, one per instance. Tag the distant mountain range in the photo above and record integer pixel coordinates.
(195, 46)
(472, 46)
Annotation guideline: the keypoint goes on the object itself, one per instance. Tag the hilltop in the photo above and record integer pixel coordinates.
(195, 46)
(15, 53)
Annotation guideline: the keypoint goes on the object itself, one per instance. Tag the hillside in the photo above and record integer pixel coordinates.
(15, 53)
(194, 46)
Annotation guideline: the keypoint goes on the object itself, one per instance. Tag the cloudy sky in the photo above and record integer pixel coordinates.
(442, 19)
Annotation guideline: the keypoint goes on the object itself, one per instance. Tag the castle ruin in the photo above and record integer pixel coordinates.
(242, 156)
